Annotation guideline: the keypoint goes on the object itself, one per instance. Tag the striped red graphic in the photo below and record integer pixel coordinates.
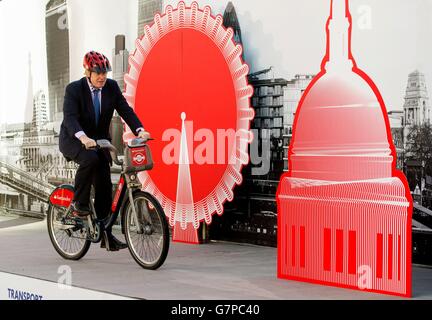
(390, 256)
(327, 249)
(339, 250)
(302, 246)
(352, 253)
(342, 185)
(379, 255)
(399, 257)
(293, 242)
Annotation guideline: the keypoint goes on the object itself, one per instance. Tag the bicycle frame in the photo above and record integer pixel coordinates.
(127, 185)
(129, 182)
(124, 186)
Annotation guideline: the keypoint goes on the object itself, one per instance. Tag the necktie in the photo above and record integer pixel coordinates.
(96, 105)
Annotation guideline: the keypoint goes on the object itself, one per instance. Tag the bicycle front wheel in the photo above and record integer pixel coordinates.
(147, 238)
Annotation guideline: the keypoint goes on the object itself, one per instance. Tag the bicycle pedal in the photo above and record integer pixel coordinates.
(77, 220)
(78, 215)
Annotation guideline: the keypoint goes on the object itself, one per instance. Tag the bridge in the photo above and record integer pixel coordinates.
(422, 218)
(24, 182)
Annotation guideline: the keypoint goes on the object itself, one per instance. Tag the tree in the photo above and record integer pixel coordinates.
(419, 146)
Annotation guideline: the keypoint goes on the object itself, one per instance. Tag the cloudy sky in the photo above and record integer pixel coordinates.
(391, 38)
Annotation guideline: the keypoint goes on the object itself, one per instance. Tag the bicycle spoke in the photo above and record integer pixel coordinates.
(69, 244)
(145, 246)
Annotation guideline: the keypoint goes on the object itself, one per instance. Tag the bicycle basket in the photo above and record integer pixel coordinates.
(138, 158)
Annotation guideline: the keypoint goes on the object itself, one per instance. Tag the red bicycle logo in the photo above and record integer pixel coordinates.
(62, 197)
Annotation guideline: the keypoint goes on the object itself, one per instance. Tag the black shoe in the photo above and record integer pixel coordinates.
(114, 244)
(80, 211)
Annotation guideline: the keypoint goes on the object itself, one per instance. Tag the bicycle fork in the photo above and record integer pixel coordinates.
(144, 210)
(90, 219)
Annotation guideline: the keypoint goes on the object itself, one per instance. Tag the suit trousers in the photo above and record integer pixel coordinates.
(94, 169)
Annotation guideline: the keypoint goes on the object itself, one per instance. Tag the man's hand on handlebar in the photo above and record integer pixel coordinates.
(87, 142)
(144, 135)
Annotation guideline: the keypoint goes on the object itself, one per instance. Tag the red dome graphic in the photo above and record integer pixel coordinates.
(349, 130)
(344, 211)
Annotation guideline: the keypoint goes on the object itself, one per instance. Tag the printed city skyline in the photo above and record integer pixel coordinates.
(270, 34)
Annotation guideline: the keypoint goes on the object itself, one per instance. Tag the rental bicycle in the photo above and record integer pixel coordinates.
(143, 220)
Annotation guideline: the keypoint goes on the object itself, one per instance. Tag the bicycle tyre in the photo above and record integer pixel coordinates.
(158, 216)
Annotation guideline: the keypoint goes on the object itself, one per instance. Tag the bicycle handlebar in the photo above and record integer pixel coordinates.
(106, 144)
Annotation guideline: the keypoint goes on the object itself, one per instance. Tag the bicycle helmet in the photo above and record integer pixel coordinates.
(96, 62)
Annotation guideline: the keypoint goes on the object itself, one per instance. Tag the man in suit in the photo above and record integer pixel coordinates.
(88, 108)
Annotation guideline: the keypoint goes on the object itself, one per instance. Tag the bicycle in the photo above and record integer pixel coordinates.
(143, 221)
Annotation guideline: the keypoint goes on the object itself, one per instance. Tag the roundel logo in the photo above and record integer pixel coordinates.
(188, 83)
(138, 158)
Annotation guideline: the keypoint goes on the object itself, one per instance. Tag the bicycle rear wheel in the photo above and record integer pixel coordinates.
(68, 240)
(149, 246)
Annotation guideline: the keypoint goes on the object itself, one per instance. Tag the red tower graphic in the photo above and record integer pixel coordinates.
(344, 211)
(188, 83)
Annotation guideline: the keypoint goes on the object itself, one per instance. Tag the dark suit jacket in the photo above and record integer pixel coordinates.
(79, 115)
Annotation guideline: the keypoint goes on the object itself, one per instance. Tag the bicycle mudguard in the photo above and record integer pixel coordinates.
(62, 196)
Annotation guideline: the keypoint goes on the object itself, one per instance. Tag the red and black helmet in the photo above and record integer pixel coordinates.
(96, 62)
